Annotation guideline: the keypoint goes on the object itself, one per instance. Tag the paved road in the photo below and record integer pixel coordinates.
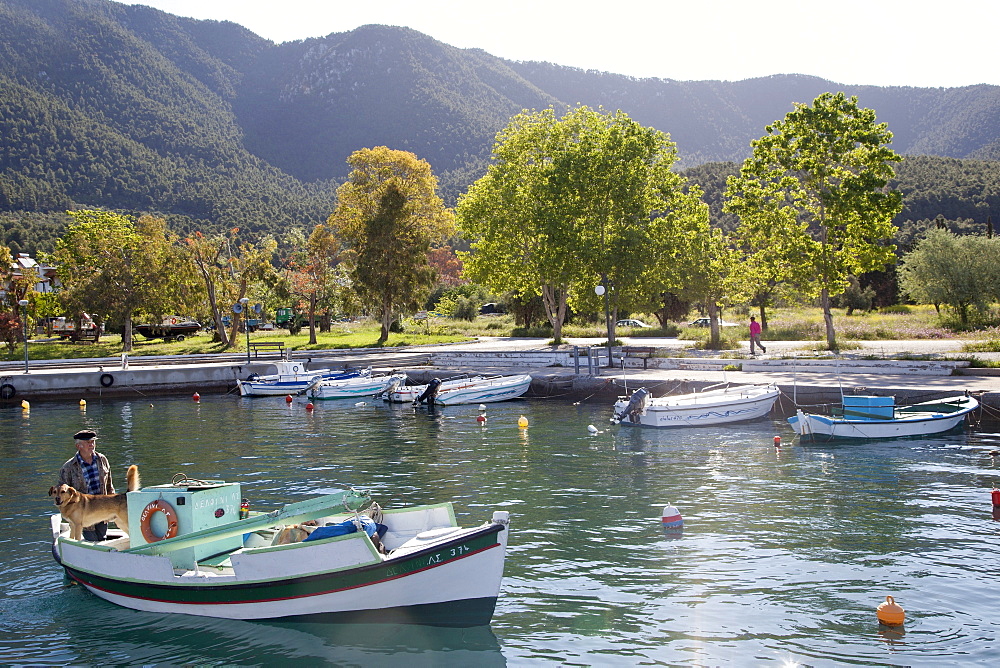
(942, 347)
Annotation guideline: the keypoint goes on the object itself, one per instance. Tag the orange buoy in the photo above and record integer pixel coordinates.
(777, 441)
(890, 613)
(196, 396)
(288, 398)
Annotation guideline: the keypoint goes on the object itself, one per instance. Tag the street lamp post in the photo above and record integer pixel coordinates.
(602, 289)
(24, 321)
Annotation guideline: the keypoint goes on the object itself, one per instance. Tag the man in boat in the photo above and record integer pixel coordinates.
(88, 471)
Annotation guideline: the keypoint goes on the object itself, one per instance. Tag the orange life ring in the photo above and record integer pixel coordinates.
(146, 520)
(173, 321)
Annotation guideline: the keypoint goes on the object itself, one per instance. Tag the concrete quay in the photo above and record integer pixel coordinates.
(571, 372)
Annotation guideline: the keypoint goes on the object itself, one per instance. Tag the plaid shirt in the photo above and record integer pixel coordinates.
(91, 474)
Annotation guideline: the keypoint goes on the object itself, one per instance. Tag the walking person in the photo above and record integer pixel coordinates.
(755, 336)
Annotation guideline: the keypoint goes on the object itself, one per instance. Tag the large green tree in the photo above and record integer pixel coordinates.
(571, 203)
(117, 268)
(816, 186)
(390, 216)
(960, 271)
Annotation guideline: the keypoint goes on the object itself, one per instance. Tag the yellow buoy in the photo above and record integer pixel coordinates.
(25, 405)
(890, 613)
(522, 422)
(83, 403)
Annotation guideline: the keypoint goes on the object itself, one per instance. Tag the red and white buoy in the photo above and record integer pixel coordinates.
(673, 523)
(288, 398)
(996, 497)
(310, 406)
(777, 441)
(196, 397)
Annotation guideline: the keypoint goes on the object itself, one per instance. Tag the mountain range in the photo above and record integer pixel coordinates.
(127, 107)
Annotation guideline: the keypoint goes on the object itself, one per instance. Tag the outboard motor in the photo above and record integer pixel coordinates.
(635, 405)
(430, 393)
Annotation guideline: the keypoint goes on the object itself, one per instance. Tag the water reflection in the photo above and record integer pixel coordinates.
(784, 554)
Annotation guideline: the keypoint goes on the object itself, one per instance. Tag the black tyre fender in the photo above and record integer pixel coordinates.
(7, 391)
(107, 380)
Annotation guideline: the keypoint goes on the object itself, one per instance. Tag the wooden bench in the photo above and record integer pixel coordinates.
(257, 347)
(644, 352)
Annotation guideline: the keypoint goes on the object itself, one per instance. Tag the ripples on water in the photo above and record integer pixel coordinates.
(784, 556)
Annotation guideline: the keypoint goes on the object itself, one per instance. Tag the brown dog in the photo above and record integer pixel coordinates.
(84, 510)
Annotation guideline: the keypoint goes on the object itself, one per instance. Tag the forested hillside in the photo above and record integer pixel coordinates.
(129, 108)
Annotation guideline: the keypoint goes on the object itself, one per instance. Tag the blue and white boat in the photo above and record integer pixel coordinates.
(292, 378)
(868, 417)
(366, 385)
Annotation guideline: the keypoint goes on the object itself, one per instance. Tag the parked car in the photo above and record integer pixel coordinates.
(706, 322)
(631, 323)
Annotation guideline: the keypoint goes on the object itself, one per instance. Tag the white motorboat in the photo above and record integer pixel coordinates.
(292, 378)
(485, 391)
(735, 403)
(314, 560)
(405, 394)
(474, 390)
(868, 417)
(360, 386)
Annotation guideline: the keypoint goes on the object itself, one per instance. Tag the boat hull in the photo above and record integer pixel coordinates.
(913, 422)
(452, 583)
(405, 394)
(354, 387)
(735, 404)
(489, 391)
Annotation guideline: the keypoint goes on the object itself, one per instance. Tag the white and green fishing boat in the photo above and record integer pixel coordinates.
(187, 551)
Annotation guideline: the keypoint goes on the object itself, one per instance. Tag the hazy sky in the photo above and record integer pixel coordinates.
(879, 42)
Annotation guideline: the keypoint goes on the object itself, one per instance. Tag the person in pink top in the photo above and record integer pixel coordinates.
(755, 336)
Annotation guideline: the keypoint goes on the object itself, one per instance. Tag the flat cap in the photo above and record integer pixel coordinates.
(85, 435)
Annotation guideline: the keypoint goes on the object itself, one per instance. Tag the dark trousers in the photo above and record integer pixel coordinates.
(98, 533)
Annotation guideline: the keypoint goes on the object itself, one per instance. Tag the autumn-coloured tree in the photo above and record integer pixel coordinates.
(389, 214)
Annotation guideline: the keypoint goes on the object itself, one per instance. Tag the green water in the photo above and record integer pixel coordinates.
(784, 556)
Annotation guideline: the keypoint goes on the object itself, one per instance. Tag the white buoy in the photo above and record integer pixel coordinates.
(592, 429)
(360, 403)
(482, 408)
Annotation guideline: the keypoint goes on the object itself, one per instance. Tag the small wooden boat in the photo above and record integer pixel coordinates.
(203, 560)
(475, 390)
(879, 417)
(360, 386)
(291, 378)
(737, 403)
